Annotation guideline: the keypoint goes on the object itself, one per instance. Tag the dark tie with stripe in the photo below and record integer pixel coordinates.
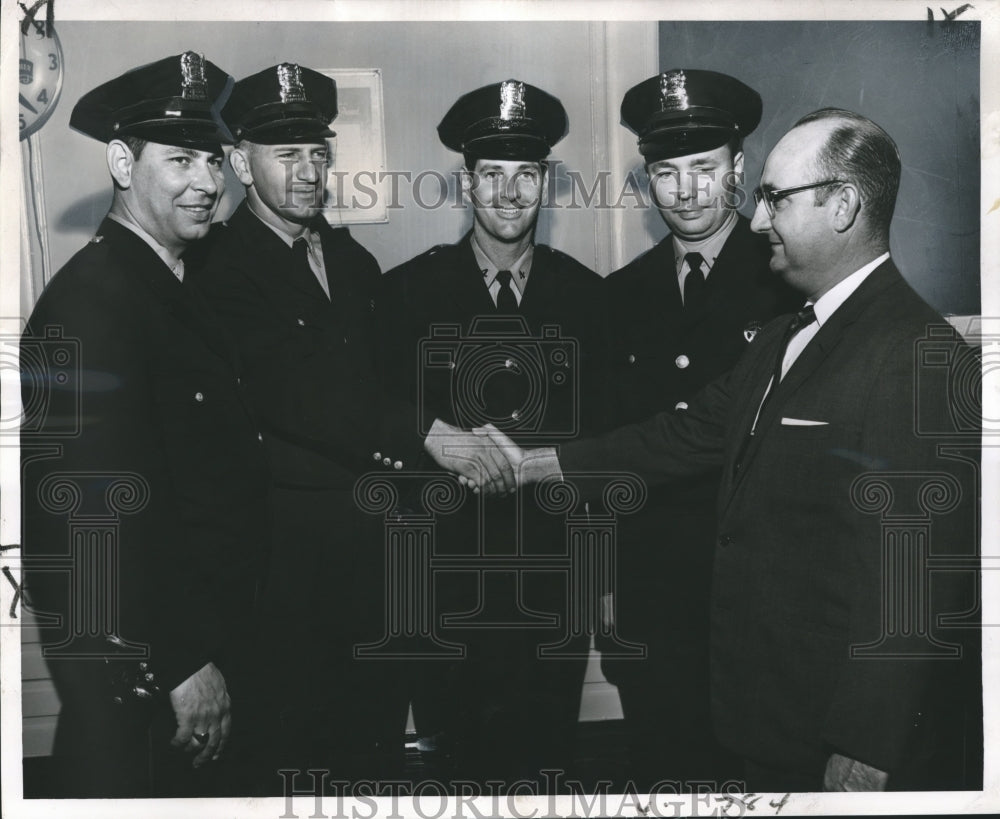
(695, 285)
(506, 300)
(803, 318)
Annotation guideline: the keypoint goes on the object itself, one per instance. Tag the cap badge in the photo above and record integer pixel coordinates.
(673, 91)
(751, 330)
(290, 83)
(512, 100)
(193, 77)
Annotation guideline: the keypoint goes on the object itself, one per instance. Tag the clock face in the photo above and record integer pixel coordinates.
(41, 78)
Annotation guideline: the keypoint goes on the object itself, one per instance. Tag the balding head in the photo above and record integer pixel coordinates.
(829, 188)
(859, 151)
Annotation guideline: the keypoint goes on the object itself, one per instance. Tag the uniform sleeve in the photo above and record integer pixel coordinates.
(398, 370)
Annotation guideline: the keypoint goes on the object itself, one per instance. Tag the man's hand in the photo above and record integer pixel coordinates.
(201, 706)
(472, 456)
(529, 465)
(846, 774)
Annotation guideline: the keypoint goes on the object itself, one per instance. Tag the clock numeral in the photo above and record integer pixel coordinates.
(23, 123)
(53, 62)
(43, 97)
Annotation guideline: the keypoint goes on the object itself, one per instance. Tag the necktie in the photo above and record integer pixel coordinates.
(803, 318)
(695, 285)
(506, 300)
(300, 251)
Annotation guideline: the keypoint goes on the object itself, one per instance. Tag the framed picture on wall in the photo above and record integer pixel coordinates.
(355, 186)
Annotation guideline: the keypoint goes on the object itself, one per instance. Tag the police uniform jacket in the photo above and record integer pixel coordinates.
(798, 573)
(441, 328)
(309, 360)
(140, 431)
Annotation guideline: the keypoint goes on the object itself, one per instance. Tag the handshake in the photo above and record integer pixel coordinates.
(486, 460)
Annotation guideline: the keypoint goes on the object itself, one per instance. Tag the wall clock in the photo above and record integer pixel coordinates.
(41, 77)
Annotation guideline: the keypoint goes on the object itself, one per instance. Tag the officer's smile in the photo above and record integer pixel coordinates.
(200, 212)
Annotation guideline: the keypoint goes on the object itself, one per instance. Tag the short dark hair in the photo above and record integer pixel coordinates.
(860, 151)
(135, 145)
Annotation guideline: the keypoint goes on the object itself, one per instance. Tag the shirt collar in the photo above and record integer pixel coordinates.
(169, 259)
(280, 232)
(520, 269)
(842, 290)
(310, 235)
(709, 248)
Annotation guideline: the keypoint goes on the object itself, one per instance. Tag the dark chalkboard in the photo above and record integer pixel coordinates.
(918, 80)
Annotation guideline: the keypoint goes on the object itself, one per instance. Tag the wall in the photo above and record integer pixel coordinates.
(919, 81)
(425, 68)
(922, 86)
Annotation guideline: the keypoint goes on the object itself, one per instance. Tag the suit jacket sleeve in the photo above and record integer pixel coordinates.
(667, 446)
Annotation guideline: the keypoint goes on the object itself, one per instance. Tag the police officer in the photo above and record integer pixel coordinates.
(681, 313)
(144, 470)
(508, 710)
(299, 298)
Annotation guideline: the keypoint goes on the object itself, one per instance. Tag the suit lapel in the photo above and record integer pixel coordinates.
(810, 360)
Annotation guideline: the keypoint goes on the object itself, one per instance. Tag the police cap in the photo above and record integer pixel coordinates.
(172, 101)
(505, 120)
(686, 111)
(286, 103)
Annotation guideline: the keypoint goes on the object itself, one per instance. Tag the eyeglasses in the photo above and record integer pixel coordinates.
(771, 197)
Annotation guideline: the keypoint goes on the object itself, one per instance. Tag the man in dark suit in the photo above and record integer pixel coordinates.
(299, 298)
(830, 667)
(520, 325)
(681, 315)
(143, 475)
